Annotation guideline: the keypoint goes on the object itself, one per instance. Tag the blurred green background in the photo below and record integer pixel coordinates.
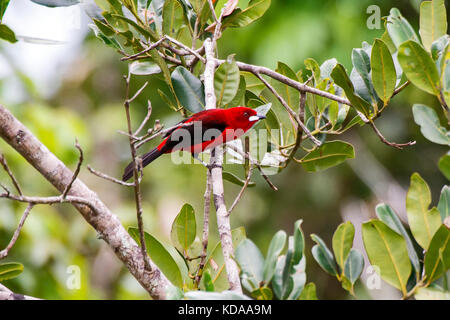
(84, 100)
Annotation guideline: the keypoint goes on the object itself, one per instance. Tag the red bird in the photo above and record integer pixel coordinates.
(203, 130)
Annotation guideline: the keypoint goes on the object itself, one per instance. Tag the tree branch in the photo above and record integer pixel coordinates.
(6, 294)
(103, 220)
(216, 162)
(4, 253)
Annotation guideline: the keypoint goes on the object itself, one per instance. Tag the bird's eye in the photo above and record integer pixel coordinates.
(246, 114)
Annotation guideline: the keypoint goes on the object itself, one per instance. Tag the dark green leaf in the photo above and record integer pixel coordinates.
(160, 256)
(341, 78)
(323, 256)
(327, 155)
(184, 228)
(189, 89)
(10, 270)
(3, 6)
(437, 258)
(7, 34)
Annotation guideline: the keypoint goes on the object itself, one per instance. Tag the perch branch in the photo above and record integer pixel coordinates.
(216, 162)
(102, 219)
(137, 167)
(77, 171)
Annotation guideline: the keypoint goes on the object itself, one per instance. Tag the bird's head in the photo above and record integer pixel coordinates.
(243, 117)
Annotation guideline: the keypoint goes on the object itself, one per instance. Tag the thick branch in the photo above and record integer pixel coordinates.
(103, 220)
(216, 162)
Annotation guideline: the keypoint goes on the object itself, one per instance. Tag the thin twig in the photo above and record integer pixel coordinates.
(109, 178)
(4, 253)
(256, 163)
(50, 200)
(391, 144)
(147, 117)
(241, 192)
(136, 169)
(149, 48)
(77, 171)
(399, 89)
(5, 166)
(205, 234)
(289, 110)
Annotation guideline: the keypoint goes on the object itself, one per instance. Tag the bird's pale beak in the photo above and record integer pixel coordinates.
(256, 118)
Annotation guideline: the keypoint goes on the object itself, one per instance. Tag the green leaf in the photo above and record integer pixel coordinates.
(10, 270)
(189, 89)
(444, 166)
(276, 246)
(354, 265)
(207, 281)
(226, 81)
(361, 62)
(242, 18)
(239, 97)
(160, 256)
(173, 17)
(215, 263)
(235, 179)
(433, 21)
(109, 41)
(184, 228)
(251, 261)
(444, 203)
(424, 293)
(430, 125)
(3, 5)
(7, 34)
(437, 257)
(309, 292)
(56, 3)
(419, 67)
(341, 78)
(313, 66)
(323, 256)
(144, 68)
(343, 242)
(384, 75)
(399, 28)
(386, 214)
(422, 221)
(262, 293)
(104, 28)
(387, 250)
(327, 155)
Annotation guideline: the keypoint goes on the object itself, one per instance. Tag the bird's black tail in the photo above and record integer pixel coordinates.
(146, 159)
